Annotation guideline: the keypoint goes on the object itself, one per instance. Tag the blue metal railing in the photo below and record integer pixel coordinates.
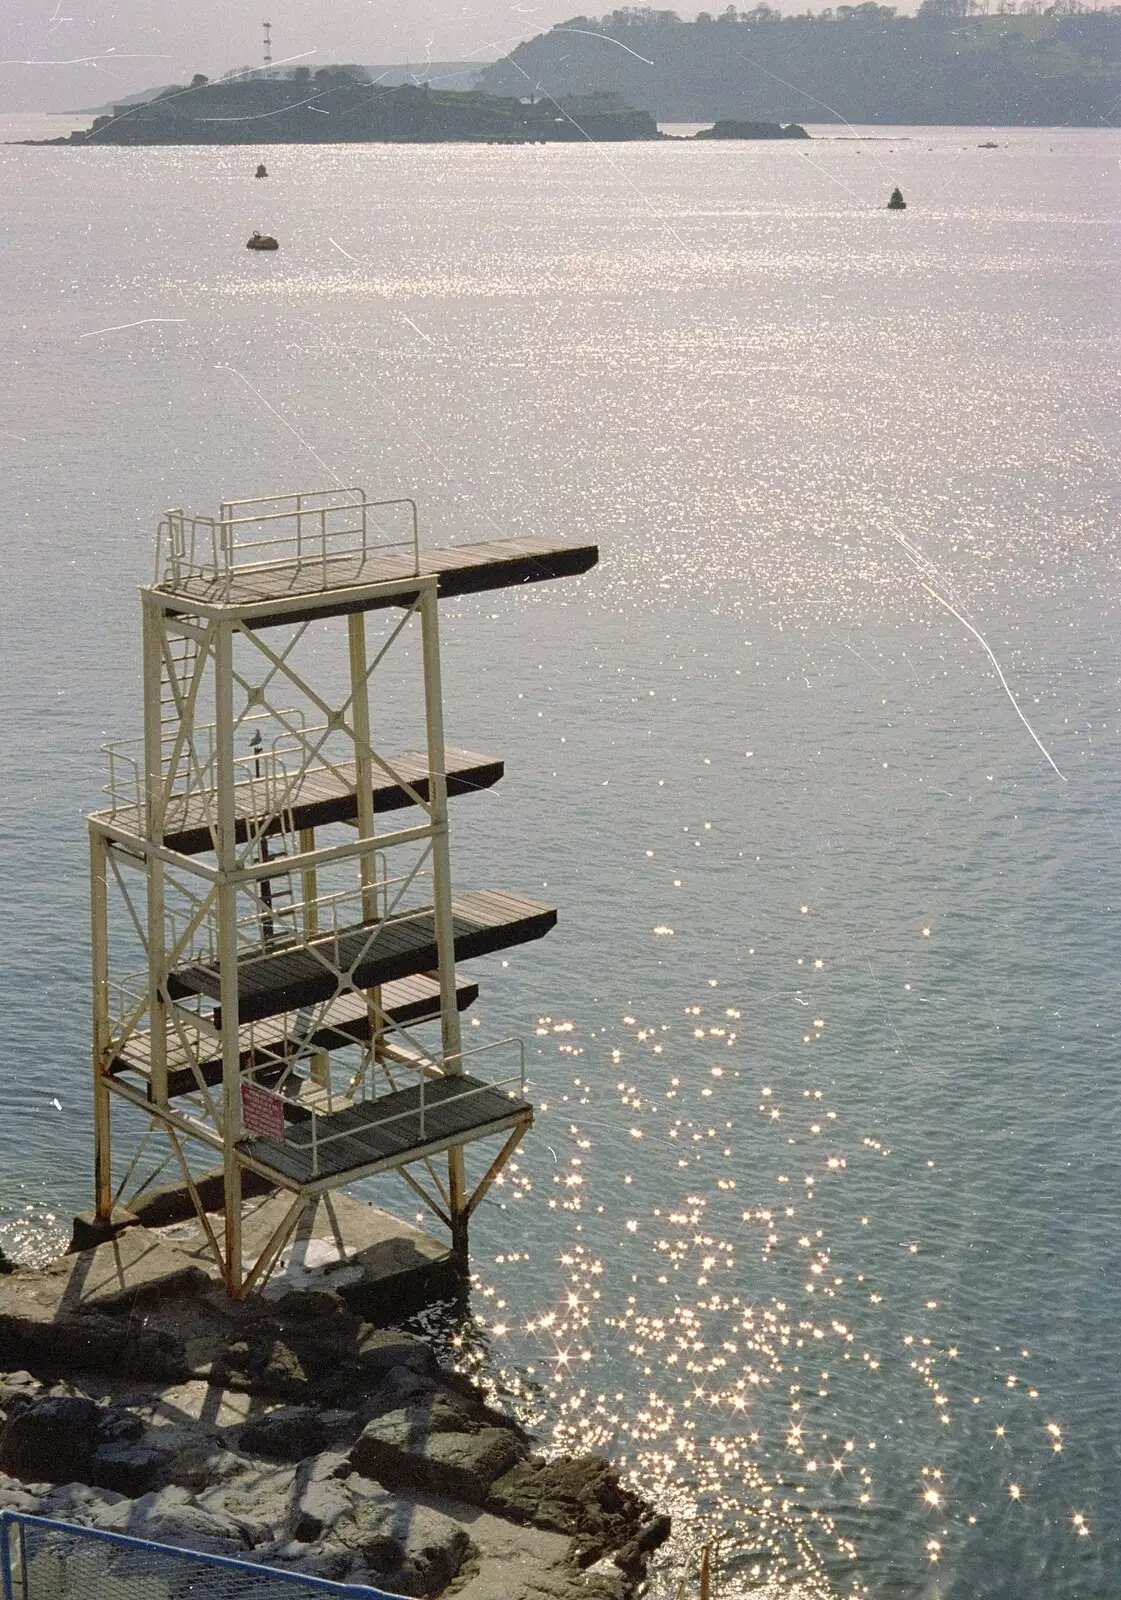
(24, 1538)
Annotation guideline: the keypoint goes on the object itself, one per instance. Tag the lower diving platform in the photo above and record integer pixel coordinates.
(371, 1136)
(367, 955)
(343, 1021)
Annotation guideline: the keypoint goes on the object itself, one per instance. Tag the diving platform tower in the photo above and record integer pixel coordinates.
(275, 929)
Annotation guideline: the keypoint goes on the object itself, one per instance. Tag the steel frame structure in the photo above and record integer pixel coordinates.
(207, 659)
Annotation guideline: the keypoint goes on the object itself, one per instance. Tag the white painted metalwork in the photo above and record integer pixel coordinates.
(239, 722)
(317, 529)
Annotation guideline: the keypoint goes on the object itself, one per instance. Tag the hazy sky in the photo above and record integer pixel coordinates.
(97, 49)
(56, 55)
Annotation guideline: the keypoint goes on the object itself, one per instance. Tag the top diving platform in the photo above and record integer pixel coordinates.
(327, 582)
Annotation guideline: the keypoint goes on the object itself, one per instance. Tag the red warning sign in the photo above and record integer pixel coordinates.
(262, 1113)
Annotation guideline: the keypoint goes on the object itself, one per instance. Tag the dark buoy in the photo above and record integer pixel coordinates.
(897, 202)
(262, 171)
(261, 241)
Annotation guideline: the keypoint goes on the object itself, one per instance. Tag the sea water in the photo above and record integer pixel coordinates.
(816, 1229)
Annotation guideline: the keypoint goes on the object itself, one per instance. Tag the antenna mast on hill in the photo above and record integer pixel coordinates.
(268, 49)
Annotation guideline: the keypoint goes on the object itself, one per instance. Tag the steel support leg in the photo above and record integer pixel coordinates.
(227, 953)
(102, 1121)
(364, 793)
(451, 1037)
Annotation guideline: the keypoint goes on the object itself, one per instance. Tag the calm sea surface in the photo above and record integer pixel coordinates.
(817, 1229)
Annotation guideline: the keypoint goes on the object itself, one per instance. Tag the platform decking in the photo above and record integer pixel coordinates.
(388, 1132)
(346, 1020)
(460, 569)
(371, 953)
(318, 797)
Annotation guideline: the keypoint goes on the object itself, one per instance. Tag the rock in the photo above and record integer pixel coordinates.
(52, 1440)
(604, 1578)
(172, 1516)
(295, 1364)
(507, 1562)
(401, 1386)
(77, 1502)
(382, 1296)
(202, 1469)
(5, 1265)
(437, 1448)
(134, 1457)
(316, 1561)
(631, 1557)
(319, 1497)
(288, 1433)
(118, 1426)
(258, 1495)
(581, 1497)
(279, 1368)
(18, 1390)
(131, 1468)
(90, 1342)
(409, 1548)
(380, 1350)
(18, 1497)
(296, 1431)
(320, 1306)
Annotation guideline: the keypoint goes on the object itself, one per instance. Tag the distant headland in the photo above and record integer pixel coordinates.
(348, 105)
(728, 128)
(343, 105)
(1050, 65)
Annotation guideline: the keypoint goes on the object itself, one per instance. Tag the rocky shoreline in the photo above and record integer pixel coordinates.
(293, 1433)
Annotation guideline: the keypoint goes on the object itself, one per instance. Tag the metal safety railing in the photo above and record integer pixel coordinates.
(44, 1559)
(266, 774)
(429, 1072)
(313, 528)
(322, 919)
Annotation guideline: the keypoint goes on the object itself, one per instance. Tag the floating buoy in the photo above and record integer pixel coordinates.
(897, 202)
(262, 241)
(262, 171)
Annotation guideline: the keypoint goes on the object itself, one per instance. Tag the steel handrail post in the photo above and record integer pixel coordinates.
(6, 1556)
(226, 546)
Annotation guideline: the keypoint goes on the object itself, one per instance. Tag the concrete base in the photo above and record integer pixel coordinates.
(90, 1230)
(376, 1262)
(134, 1266)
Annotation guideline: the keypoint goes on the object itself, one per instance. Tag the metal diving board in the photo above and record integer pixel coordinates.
(344, 1021)
(370, 953)
(317, 797)
(387, 1132)
(327, 586)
